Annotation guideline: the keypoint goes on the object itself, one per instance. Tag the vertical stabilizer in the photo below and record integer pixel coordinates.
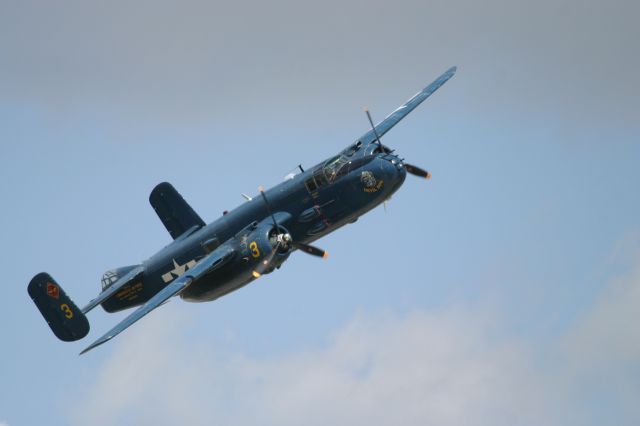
(174, 212)
(66, 321)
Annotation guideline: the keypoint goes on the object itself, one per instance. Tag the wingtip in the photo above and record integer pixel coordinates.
(87, 349)
(95, 344)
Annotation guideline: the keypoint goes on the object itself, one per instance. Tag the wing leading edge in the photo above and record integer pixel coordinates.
(214, 260)
(392, 119)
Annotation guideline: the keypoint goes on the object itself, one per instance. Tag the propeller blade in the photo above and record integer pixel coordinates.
(417, 171)
(373, 127)
(312, 250)
(266, 202)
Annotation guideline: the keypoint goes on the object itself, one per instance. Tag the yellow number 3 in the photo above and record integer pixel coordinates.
(67, 310)
(254, 249)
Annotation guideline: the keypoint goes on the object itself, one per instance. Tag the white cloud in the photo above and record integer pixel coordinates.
(602, 351)
(609, 332)
(423, 368)
(418, 369)
(447, 367)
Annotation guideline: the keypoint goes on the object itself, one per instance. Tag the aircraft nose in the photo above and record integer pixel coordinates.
(395, 171)
(399, 167)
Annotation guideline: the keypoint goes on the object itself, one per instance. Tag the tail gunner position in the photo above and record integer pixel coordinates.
(205, 262)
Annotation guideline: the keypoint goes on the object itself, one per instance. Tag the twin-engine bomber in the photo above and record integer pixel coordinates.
(205, 262)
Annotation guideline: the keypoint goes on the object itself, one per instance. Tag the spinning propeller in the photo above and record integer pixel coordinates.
(284, 242)
(417, 171)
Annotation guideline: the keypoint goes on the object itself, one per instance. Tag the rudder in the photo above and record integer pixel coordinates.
(174, 212)
(66, 321)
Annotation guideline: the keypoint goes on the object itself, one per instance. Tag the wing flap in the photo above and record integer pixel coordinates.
(392, 119)
(211, 262)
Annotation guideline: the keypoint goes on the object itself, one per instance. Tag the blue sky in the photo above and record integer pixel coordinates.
(503, 291)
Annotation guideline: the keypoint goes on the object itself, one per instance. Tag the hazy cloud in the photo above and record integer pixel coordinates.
(603, 349)
(447, 367)
(433, 368)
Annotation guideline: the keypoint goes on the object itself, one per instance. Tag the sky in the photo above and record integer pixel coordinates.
(503, 291)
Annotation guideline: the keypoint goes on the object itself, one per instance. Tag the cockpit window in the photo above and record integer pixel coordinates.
(333, 169)
(320, 178)
(334, 166)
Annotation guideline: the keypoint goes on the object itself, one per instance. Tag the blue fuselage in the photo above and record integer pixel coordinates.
(309, 205)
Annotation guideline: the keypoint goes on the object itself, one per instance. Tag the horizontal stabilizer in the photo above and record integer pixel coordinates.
(133, 275)
(174, 212)
(66, 321)
(209, 263)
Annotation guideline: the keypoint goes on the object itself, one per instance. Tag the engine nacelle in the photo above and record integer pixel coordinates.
(257, 244)
(254, 245)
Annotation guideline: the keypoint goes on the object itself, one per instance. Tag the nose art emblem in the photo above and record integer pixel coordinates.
(368, 179)
(370, 182)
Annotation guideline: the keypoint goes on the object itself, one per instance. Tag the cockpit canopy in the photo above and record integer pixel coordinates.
(113, 275)
(334, 168)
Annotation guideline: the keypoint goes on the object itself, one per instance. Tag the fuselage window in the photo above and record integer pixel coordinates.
(321, 180)
(311, 185)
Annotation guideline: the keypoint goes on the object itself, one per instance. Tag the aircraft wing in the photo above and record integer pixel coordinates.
(212, 261)
(392, 119)
(128, 278)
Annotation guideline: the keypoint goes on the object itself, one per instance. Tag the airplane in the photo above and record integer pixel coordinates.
(205, 262)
